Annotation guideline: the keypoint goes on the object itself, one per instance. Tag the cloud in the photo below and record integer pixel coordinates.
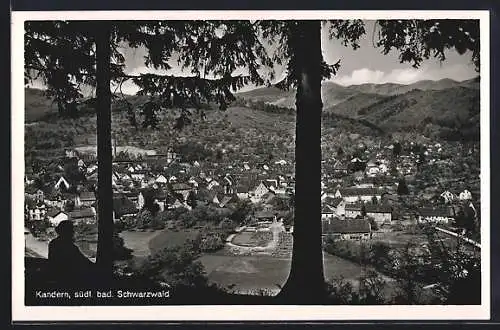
(457, 72)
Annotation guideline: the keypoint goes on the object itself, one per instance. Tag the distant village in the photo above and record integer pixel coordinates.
(362, 194)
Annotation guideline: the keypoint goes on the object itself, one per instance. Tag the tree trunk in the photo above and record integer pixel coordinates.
(305, 284)
(104, 153)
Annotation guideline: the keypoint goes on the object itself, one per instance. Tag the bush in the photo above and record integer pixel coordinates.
(211, 243)
(176, 266)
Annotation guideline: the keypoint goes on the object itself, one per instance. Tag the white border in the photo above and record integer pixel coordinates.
(236, 313)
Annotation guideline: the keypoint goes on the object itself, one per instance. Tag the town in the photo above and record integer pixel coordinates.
(231, 187)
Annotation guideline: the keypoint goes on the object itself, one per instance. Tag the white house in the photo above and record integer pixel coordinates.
(261, 190)
(161, 179)
(37, 213)
(383, 168)
(58, 217)
(465, 195)
(212, 184)
(434, 215)
(62, 182)
(354, 194)
(448, 196)
(352, 210)
(372, 171)
(380, 213)
(328, 212)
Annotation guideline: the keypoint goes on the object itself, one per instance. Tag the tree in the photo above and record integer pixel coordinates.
(402, 187)
(373, 224)
(202, 51)
(241, 212)
(396, 149)
(340, 152)
(104, 258)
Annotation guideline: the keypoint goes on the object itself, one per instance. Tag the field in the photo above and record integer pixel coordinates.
(242, 273)
(170, 238)
(254, 273)
(138, 241)
(398, 239)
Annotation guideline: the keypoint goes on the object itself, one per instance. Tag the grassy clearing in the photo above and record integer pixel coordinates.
(170, 238)
(138, 241)
(251, 273)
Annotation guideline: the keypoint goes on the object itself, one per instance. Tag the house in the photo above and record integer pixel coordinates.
(380, 213)
(281, 162)
(85, 215)
(242, 191)
(447, 196)
(355, 194)
(71, 153)
(138, 174)
(62, 183)
(265, 216)
(340, 167)
(261, 189)
(212, 183)
(39, 195)
(328, 212)
(434, 215)
(372, 170)
(353, 210)
(337, 204)
(56, 216)
(86, 198)
(37, 213)
(465, 195)
(348, 229)
(161, 179)
(181, 189)
(383, 168)
(228, 184)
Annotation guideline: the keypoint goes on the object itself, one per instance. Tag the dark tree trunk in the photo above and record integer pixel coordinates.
(305, 284)
(104, 153)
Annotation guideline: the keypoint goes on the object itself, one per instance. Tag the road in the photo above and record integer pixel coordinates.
(35, 246)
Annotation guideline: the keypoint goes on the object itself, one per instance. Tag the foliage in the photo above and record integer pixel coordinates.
(144, 219)
(417, 40)
(242, 210)
(402, 187)
(176, 266)
(369, 291)
(211, 242)
(373, 224)
(39, 227)
(396, 148)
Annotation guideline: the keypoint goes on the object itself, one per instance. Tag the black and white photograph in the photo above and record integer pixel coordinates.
(314, 160)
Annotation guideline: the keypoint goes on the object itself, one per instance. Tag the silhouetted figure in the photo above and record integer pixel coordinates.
(67, 263)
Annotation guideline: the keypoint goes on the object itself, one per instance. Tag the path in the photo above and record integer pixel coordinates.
(276, 228)
(35, 246)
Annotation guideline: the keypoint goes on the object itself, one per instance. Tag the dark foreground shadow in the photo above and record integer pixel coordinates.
(42, 289)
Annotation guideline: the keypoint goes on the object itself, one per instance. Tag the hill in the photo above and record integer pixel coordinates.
(451, 113)
(36, 105)
(443, 108)
(333, 93)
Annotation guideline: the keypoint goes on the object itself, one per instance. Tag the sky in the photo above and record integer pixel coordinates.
(365, 65)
